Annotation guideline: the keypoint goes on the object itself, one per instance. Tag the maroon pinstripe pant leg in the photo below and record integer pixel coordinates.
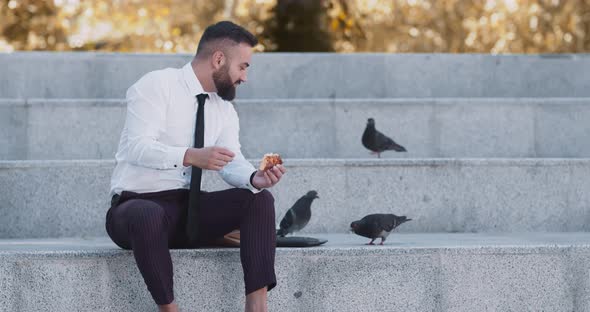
(152, 223)
(254, 215)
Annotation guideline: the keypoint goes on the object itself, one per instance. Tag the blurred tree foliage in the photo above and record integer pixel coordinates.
(486, 26)
(298, 26)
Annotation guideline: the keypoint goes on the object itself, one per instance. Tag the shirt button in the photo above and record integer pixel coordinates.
(175, 166)
(184, 173)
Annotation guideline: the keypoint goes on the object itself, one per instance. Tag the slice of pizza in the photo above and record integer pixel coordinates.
(270, 160)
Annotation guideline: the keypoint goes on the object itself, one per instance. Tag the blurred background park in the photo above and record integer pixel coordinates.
(394, 26)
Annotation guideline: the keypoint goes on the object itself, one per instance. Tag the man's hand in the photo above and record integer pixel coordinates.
(210, 158)
(268, 178)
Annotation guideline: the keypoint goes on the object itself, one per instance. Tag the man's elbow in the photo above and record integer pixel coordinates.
(136, 148)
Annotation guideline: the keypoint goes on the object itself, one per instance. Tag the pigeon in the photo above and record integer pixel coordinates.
(297, 217)
(377, 225)
(377, 142)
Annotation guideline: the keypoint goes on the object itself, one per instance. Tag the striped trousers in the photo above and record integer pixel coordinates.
(151, 224)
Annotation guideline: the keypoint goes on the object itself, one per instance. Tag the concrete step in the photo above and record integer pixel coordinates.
(412, 272)
(309, 75)
(70, 198)
(316, 128)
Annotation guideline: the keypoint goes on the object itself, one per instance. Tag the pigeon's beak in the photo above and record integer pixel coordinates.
(317, 196)
(408, 220)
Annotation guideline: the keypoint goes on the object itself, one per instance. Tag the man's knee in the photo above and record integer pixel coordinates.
(263, 204)
(148, 217)
(265, 197)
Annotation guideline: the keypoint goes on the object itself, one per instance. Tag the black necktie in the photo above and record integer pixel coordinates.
(192, 222)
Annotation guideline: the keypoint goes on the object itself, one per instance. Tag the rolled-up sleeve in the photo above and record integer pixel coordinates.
(237, 173)
(146, 116)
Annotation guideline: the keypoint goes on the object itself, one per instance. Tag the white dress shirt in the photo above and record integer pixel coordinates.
(159, 128)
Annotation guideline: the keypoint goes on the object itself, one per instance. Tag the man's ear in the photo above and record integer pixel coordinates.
(218, 59)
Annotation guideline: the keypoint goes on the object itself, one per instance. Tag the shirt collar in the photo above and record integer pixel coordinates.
(193, 84)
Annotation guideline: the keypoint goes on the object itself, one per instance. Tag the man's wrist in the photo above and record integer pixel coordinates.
(252, 181)
(189, 156)
(186, 161)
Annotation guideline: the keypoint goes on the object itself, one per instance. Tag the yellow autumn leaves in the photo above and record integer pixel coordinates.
(486, 26)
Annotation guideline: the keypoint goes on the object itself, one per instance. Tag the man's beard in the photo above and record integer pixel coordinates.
(225, 87)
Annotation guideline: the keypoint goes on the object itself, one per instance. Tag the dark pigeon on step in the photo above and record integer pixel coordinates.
(378, 142)
(298, 216)
(377, 225)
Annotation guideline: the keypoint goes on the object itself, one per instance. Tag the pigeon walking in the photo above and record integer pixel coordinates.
(298, 216)
(378, 142)
(377, 225)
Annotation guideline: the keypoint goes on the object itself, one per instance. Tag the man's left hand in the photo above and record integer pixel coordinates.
(268, 178)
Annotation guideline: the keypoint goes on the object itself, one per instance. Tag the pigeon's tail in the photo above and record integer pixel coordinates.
(398, 148)
(282, 232)
(403, 219)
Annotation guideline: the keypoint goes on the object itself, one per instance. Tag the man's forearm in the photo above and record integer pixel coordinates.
(239, 173)
(148, 153)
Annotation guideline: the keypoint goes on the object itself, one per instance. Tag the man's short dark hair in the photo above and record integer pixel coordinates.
(221, 32)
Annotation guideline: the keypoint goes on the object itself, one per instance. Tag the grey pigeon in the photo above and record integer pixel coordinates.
(377, 225)
(298, 216)
(377, 142)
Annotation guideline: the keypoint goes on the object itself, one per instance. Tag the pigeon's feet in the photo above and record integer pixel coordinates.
(381, 243)
(376, 153)
(371, 242)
